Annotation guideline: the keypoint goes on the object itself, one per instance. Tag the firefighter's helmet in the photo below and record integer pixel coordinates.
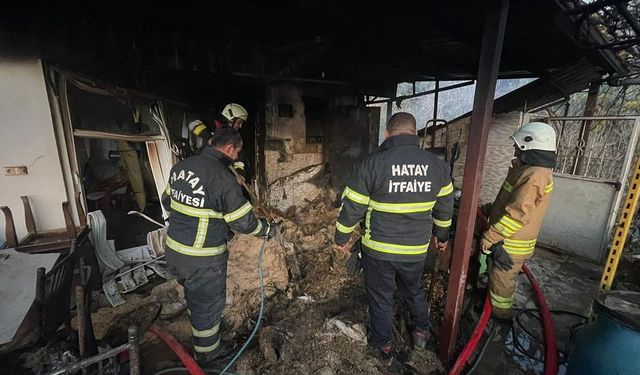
(234, 110)
(535, 136)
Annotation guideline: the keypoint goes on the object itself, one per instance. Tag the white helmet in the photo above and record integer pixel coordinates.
(535, 136)
(234, 110)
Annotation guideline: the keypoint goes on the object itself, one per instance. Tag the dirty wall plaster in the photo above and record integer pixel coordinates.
(27, 138)
(345, 129)
(286, 150)
(499, 150)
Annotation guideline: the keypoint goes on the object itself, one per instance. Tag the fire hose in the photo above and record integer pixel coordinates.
(190, 364)
(551, 350)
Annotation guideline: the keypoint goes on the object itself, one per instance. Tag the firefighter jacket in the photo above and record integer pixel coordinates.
(403, 193)
(206, 203)
(517, 213)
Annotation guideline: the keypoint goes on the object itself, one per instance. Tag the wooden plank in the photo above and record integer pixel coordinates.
(68, 221)
(82, 216)
(9, 228)
(116, 137)
(28, 215)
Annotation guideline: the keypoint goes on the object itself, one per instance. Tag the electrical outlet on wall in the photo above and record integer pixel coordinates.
(19, 170)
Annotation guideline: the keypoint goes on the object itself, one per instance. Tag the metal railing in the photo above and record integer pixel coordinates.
(133, 346)
(595, 147)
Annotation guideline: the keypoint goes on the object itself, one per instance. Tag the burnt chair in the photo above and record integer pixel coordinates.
(44, 241)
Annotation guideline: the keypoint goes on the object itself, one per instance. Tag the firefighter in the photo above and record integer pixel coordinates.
(404, 195)
(233, 115)
(206, 203)
(516, 215)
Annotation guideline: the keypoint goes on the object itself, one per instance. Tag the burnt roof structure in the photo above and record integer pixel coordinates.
(370, 46)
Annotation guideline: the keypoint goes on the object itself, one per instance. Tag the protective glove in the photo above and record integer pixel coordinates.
(484, 261)
(270, 229)
(499, 257)
(354, 262)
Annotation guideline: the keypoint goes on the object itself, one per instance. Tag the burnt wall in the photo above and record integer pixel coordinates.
(346, 138)
(499, 150)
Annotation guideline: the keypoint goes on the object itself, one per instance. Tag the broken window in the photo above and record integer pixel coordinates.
(96, 111)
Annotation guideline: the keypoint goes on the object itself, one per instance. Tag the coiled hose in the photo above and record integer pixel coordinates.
(551, 349)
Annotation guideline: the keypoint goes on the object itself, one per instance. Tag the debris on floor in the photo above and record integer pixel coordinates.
(316, 315)
(320, 325)
(292, 191)
(355, 332)
(139, 263)
(243, 284)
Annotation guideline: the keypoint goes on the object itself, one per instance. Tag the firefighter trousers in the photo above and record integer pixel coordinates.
(502, 287)
(205, 292)
(381, 279)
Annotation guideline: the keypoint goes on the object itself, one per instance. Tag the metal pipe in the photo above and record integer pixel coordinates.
(619, 45)
(482, 115)
(428, 92)
(288, 79)
(82, 319)
(435, 114)
(139, 266)
(40, 293)
(577, 118)
(92, 360)
(94, 134)
(146, 218)
(589, 110)
(134, 351)
(624, 81)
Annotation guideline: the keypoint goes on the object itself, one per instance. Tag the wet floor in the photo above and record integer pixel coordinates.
(570, 285)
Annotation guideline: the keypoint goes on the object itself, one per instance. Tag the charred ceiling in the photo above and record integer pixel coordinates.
(369, 45)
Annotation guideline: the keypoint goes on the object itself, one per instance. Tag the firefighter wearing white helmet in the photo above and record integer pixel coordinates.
(516, 215)
(233, 115)
(535, 136)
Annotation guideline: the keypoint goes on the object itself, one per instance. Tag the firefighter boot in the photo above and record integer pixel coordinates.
(419, 337)
(215, 357)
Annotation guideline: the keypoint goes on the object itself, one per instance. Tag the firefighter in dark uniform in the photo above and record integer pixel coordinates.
(206, 203)
(233, 115)
(405, 196)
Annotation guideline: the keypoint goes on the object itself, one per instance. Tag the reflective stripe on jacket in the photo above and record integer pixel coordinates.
(206, 203)
(519, 209)
(400, 194)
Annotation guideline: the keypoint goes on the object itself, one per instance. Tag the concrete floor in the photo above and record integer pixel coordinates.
(569, 284)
